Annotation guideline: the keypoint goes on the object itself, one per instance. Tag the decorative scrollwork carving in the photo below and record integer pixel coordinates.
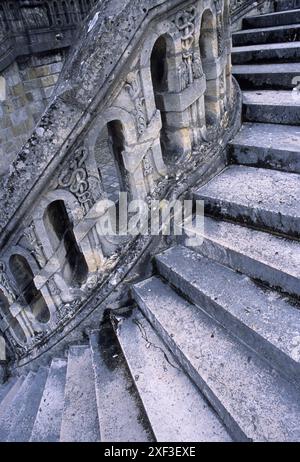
(36, 246)
(147, 165)
(185, 23)
(75, 177)
(5, 285)
(133, 86)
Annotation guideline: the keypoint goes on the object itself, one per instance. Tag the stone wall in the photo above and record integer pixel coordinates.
(154, 79)
(29, 83)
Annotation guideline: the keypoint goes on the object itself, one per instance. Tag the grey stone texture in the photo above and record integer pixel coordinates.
(47, 423)
(254, 402)
(80, 418)
(267, 145)
(260, 197)
(29, 85)
(271, 106)
(121, 414)
(174, 406)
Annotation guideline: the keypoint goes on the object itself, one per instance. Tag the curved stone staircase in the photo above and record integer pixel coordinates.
(210, 349)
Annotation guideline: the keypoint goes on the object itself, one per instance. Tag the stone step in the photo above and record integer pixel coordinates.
(262, 256)
(275, 107)
(266, 199)
(175, 408)
(23, 421)
(121, 414)
(283, 5)
(48, 420)
(253, 401)
(279, 18)
(259, 317)
(264, 54)
(280, 76)
(268, 146)
(5, 388)
(276, 34)
(80, 419)
(11, 409)
(9, 397)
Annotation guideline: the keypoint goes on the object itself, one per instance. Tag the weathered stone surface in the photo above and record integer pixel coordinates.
(22, 423)
(6, 387)
(272, 19)
(175, 408)
(267, 106)
(13, 404)
(267, 76)
(267, 146)
(121, 414)
(262, 54)
(49, 415)
(80, 418)
(261, 318)
(263, 198)
(263, 256)
(254, 402)
(8, 398)
(275, 34)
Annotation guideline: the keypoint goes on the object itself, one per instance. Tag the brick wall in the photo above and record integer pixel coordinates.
(29, 84)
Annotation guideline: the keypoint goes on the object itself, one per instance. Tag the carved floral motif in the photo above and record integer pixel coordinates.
(75, 177)
(133, 86)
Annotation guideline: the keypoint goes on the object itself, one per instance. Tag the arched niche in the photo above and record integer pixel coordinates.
(108, 152)
(61, 236)
(24, 280)
(208, 45)
(160, 64)
(5, 314)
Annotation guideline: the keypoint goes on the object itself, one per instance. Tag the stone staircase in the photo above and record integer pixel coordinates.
(210, 348)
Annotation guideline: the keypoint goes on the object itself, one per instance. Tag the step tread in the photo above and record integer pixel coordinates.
(48, 420)
(266, 257)
(280, 68)
(12, 409)
(264, 406)
(265, 29)
(6, 387)
(121, 415)
(264, 46)
(80, 419)
(22, 424)
(176, 409)
(269, 136)
(257, 188)
(263, 311)
(272, 98)
(274, 14)
(9, 397)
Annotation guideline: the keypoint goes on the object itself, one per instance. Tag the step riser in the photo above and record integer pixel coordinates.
(261, 219)
(288, 55)
(286, 115)
(48, 420)
(249, 266)
(283, 5)
(267, 81)
(284, 19)
(277, 359)
(226, 418)
(266, 36)
(253, 156)
(22, 426)
(127, 421)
